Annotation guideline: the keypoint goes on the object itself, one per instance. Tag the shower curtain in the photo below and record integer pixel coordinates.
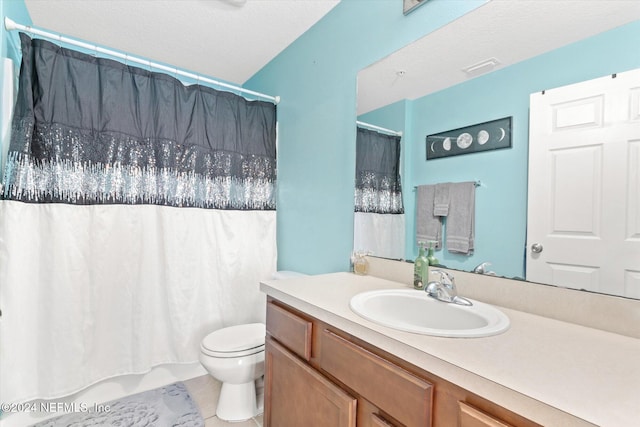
(138, 215)
(379, 225)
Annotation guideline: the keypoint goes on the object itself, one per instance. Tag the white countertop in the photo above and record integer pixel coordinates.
(552, 372)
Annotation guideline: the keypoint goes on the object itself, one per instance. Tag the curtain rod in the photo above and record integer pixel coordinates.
(381, 129)
(11, 25)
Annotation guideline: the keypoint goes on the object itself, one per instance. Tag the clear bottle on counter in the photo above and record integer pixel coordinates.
(360, 263)
(420, 268)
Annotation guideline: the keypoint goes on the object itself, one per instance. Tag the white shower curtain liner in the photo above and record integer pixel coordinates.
(91, 292)
(382, 235)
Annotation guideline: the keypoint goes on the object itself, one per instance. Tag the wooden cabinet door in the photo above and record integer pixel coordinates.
(296, 395)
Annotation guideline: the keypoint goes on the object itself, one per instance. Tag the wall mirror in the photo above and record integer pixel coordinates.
(482, 67)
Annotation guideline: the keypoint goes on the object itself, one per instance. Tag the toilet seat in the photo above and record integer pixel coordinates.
(235, 341)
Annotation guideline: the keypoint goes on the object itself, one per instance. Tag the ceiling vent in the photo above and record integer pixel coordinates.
(481, 67)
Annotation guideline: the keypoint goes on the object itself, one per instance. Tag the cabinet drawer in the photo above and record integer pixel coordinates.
(290, 329)
(472, 417)
(395, 391)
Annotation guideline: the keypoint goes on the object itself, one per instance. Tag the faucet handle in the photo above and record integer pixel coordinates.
(443, 291)
(482, 268)
(445, 276)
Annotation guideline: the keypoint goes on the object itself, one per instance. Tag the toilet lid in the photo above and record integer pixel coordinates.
(235, 339)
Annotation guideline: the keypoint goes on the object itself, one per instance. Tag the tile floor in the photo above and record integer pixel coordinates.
(205, 390)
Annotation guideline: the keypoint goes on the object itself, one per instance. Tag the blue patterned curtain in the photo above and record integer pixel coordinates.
(90, 130)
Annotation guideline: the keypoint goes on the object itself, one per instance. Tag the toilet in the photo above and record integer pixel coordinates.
(235, 356)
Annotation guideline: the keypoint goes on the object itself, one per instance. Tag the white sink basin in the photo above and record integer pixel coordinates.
(412, 310)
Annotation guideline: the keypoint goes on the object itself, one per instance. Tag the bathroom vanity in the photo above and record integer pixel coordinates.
(326, 366)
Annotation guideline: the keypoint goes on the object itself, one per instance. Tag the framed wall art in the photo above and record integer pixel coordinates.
(485, 136)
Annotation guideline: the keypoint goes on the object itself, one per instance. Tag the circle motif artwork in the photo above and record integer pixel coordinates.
(464, 140)
(483, 137)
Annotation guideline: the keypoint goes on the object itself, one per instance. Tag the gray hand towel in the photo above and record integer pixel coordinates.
(428, 226)
(441, 200)
(461, 218)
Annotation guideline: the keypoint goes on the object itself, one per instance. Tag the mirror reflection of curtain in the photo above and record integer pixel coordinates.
(379, 214)
(138, 215)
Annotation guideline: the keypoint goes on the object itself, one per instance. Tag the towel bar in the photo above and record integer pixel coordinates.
(477, 183)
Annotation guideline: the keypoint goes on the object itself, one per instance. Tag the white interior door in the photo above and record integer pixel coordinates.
(584, 186)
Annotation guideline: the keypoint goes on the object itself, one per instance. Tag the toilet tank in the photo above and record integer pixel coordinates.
(285, 274)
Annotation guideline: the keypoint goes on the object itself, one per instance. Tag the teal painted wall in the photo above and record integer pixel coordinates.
(501, 202)
(316, 78)
(16, 10)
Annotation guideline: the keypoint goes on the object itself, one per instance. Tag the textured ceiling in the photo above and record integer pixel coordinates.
(226, 39)
(509, 31)
(233, 39)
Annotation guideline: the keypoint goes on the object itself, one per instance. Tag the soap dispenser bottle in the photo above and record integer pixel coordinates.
(430, 256)
(420, 268)
(360, 263)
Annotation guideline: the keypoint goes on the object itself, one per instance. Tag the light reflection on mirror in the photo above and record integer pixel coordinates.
(422, 89)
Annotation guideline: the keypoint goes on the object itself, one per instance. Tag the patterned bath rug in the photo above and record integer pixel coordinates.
(168, 406)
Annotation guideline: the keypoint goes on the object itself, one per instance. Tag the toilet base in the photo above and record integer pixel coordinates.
(238, 402)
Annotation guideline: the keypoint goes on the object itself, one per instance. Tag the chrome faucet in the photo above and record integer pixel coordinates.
(482, 269)
(445, 289)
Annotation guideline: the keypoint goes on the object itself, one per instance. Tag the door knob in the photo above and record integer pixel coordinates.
(536, 248)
